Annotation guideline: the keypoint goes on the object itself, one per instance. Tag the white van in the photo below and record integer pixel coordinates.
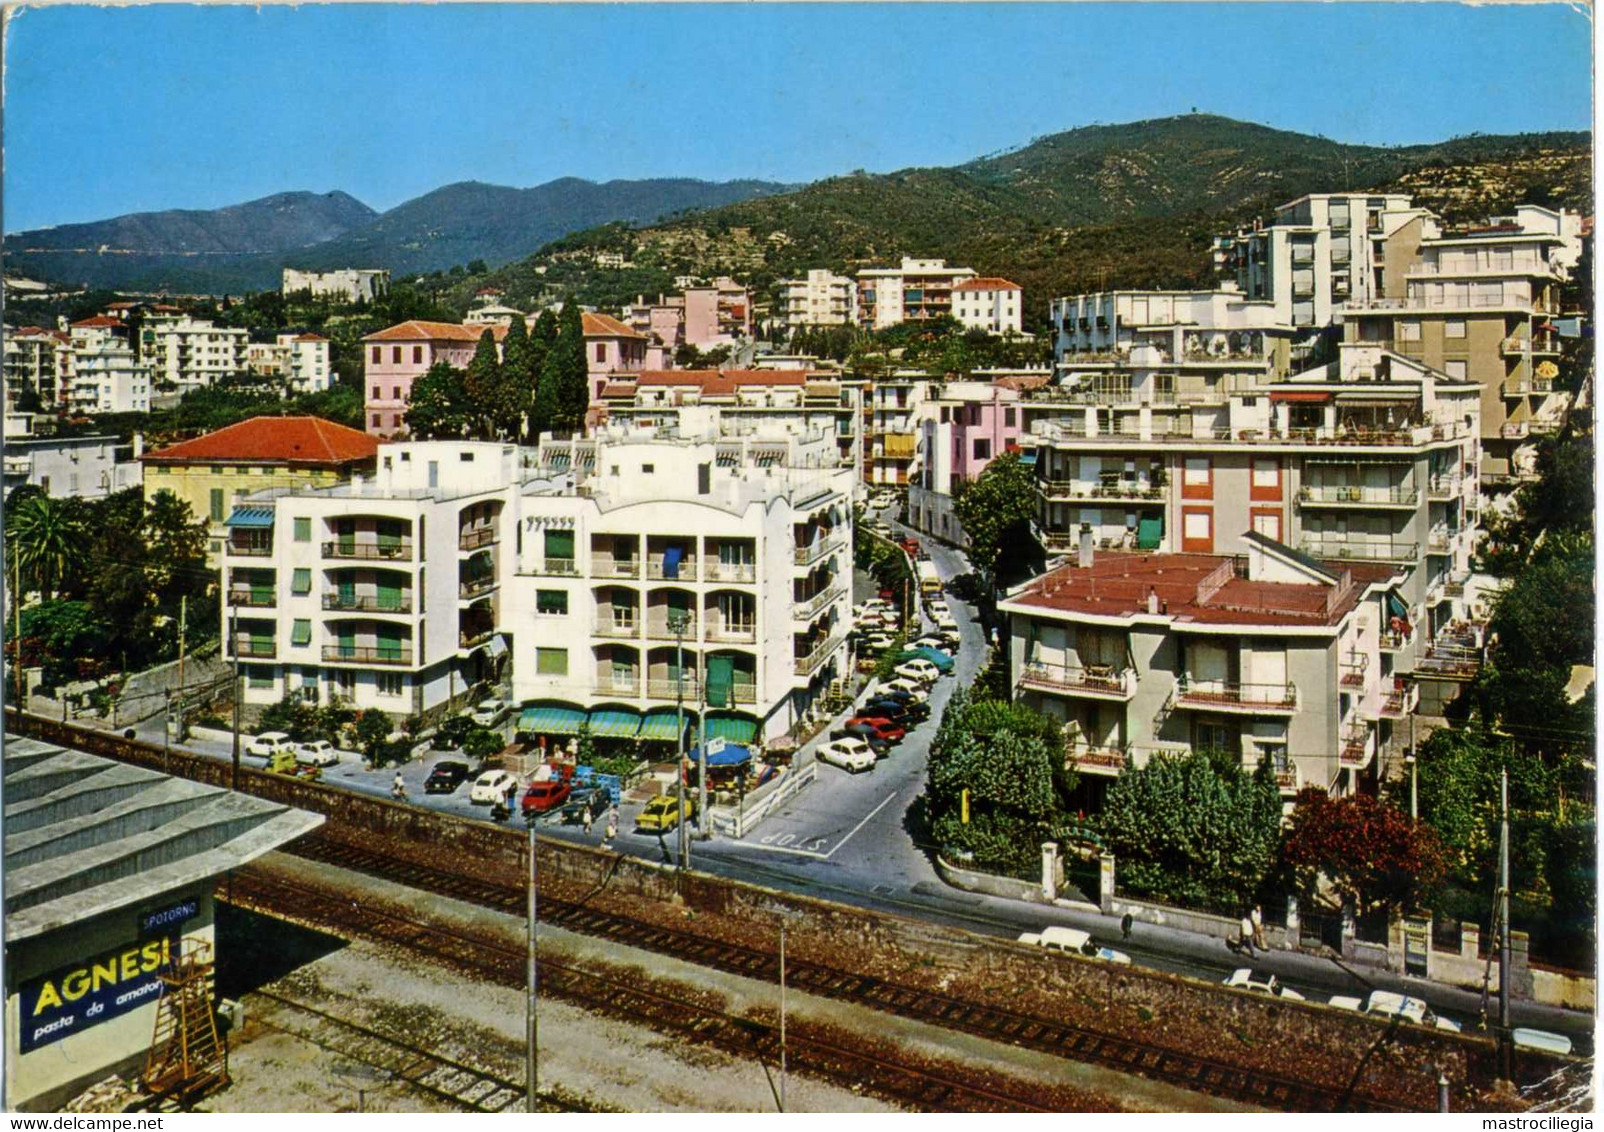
(270, 743)
(1074, 942)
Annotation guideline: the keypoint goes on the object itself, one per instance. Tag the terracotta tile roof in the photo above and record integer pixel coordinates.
(605, 326)
(99, 320)
(310, 337)
(618, 389)
(419, 330)
(121, 306)
(307, 442)
(167, 308)
(1117, 584)
(1021, 384)
(987, 283)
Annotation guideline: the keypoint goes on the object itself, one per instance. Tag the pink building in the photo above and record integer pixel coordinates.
(964, 426)
(718, 315)
(397, 356)
(610, 347)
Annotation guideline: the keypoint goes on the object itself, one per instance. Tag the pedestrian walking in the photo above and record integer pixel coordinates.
(1125, 926)
(588, 819)
(398, 788)
(1258, 929)
(612, 827)
(1247, 934)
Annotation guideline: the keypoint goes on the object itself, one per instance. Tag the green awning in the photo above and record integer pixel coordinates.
(662, 725)
(1149, 532)
(1396, 606)
(732, 729)
(551, 719)
(250, 517)
(614, 723)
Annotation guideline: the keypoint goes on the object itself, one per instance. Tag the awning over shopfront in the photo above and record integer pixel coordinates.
(732, 754)
(551, 719)
(615, 723)
(250, 517)
(1304, 396)
(662, 726)
(732, 728)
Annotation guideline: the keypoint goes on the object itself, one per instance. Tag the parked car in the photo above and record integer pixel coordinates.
(866, 734)
(883, 727)
(491, 787)
(921, 670)
(848, 754)
(944, 663)
(950, 638)
(488, 713)
(936, 644)
(946, 623)
(319, 752)
(1073, 941)
(543, 796)
(1244, 979)
(878, 642)
(664, 812)
(445, 778)
(1544, 1041)
(1391, 1004)
(911, 545)
(912, 686)
(903, 713)
(270, 743)
(918, 709)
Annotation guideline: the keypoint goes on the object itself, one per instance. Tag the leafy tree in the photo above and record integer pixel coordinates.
(372, 732)
(28, 400)
(1368, 850)
(996, 510)
(1193, 829)
(481, 386)
(47, 538)
(481, 744)
(63, 637)
(439, 406)
(293, 716)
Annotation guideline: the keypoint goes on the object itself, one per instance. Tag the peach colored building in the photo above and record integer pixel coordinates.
(397, 356)
(610, 347)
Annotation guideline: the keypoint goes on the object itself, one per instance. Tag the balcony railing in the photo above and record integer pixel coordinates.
(741, 634)
(1392, 642)
(603, 566)
(256, 599)
(612, 627)
(1441, 540)
(1227, 696)
(659, 629)
(473, 587)
(1099, 760)
(472, 538)
(1400, 702)
(1114, 493)
(805, 665)
(1355, 749)
(1353, 673)
(368, 603)
(808, 555)
(468, 639)
(806, 609)
(367, 654)
(250, 549)
(731, 572)
(1363, 551)
(1288, 779)
(369, 550)
(685, 572)
(1101, 681)
(258, 649)
(611, 685)
(666, 689)
(562, 566)
(1514, 430)
(1337, 495)
(1441, 489)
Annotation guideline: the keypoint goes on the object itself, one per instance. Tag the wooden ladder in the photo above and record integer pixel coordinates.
(187, 1057)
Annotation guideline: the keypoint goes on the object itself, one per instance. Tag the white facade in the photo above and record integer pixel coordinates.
(916, 289)
(350, 283)
(821, 299)
(307, 369)
(107, 377)
(191, 353)
(993, 305)
(32, 359)
(85, 467)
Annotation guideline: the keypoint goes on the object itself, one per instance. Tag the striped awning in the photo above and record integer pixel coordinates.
(614, 723)
(662, 725)
(551, 719)
(732, 728)
(250, 517)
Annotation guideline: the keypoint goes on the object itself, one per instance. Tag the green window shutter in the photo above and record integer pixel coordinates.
(303, 529)
(389, 592)
(559, 544)
(551, 601)
(347, 589)
(551, 662)
(261, 587)
(301, 633)
(301, 581)
(261, 638)
(217, 505)
(347, 634)
(720, 680)
(389, 534)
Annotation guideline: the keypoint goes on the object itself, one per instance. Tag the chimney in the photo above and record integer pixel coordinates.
(1085, 559)
(1152, 600)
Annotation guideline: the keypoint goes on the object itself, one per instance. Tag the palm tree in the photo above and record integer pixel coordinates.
(46, 536)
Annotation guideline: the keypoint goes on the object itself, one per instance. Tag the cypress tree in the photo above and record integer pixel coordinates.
(572, 388)
(542, 402)
(516, 389)
(480, 384)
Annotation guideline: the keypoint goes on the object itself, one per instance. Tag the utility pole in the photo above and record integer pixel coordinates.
(239, 692)
(1503, 925)
(1414, 777)
(701, 753)
(167, 727)
(16, 635)
(183, 618)
(532, 1062)
(677, 623)
(782, 1017)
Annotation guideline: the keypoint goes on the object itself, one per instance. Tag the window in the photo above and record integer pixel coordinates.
(1408, 330)
(217, 505)
(259, 676)
(376, 393)
(390, 683)
(301, 633)
(417, 355)
(395, 420)
(303, 529)
(395, 393)
(1197, 478)
(551, 662)
(1457, 368)
(1453, 328)
(648, 469)
(395, 355)
(301, 581)
(601, 351)
(378, 421)
(1266, 481)
(1267, 522)
(467, 457)
(554, 602)
(1008, 418)
(376, 353)
(1197, 530)
(982, 449)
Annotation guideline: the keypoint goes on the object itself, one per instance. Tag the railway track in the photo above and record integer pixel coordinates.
(923, 1087)
(1188, 1070)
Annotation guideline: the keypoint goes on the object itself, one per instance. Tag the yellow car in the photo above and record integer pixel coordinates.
(664, 813)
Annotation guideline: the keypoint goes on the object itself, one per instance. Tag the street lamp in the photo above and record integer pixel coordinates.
(678, 622)
(1414, 780)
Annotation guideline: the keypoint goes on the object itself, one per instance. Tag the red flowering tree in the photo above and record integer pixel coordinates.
(1370, 853)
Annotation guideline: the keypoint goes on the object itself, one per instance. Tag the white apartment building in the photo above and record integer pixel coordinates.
(34, 359)
(350, 283)
(1266, 654)
(990, 304)
(84, 467)
(1224, 327)
(916, 289)
(744, 543)
(896, 406)
(385, 592)
(821, 299)
(107, 376)
(191, 353)
(301, 361)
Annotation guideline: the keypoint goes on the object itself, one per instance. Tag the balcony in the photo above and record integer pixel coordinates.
(1392, 642)
(468, 640)
(659, 629)
(1440, 540)
(254, 599)
(1099, 760)
(738, 633)
(472, 538)
(367, 603)
(369, 551)
(1289, 779)
(731, 572)
(367, 654)
(619, 629)
(1353, 672)
(683, 571)
(1220, 695)
(1091, 681)
(473, 587)
(1400, 702)
(1356, 751)
(606, 566)
(688, 689)
(1341, 495)
(257, 649)
(1361, 551)
(1515, 430)
(250, 549)
(817, 549)
(1443, 489)
(808, 664)
(805, 610)
(1110, 493)
(608, 684)
(565, 567)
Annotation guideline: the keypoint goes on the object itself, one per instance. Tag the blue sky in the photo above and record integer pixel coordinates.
(113, 110)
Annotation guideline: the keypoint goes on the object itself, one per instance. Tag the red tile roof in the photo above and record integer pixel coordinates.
(987, 283)
(1196, 588)
(605, 326)
(99, 320)
(305, 442)
(1021, 384)
(310, 337)
(419, 330)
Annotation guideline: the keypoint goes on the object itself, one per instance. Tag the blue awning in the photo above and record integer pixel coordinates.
(551, 719)
(733, 754)
(671, 561)
(1027, 457)
(1396, 607)
(250, 517)
(662, 725)
(614, 723)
